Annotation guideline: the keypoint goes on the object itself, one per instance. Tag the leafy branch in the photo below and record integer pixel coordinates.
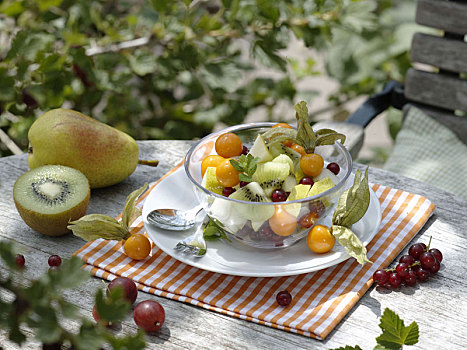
(42, 307)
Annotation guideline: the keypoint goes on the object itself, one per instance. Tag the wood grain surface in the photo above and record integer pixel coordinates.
(439, 306)
(450, 16)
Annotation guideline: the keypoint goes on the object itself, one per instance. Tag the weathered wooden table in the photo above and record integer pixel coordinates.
(439, 306)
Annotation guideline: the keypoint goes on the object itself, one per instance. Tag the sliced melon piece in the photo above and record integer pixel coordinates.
(321, 186)
(284, 159)
(289, 183)
(327, 173)
(224, 211)
(210, 181)
(298, 192)
(260, 150)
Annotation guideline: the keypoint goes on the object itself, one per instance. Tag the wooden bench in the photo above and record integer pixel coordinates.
(437, 82)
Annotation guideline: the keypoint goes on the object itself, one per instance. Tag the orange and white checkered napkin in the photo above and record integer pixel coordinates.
(320, 299)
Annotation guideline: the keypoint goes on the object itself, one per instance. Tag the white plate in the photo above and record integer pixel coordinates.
(234, 258)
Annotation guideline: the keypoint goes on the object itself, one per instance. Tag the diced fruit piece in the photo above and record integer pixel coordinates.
(226, 174)
(260, 150)
(284, 159)
(282, 222)
(252, 192)
(243, 183)
(210, 181)
(137, 246)
(210, 161)
(334, 167)
(245, 150)
(149, 315)
(277, 149)
(327, 173)
(271, 176)
(130, 291)
(225, 212)
(289, 183)
(320, 239)
(282, 125)
(321, 186)
(298, 192)
(283, 298)
(229, 145)
(227, 191)
(317, 208)
(311, 164)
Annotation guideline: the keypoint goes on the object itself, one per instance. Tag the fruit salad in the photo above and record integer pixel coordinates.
(290, 184)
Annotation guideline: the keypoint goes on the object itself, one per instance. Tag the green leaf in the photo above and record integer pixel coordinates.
(352, 244)
(354, 202)
(130, 206)
(328, 137)
(114, 307)
(89, 337)
(243, 177)
(45, 322)
(130, 342)
(305, 134)
(348, 347)
(213, 232)
(94, 226)
(236, 165)
(395, 334)
(7, 86)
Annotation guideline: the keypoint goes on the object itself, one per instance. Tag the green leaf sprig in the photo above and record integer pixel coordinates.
(213, 232)
(351, 207)
(395, 334)
(246, 165)
(94, 226)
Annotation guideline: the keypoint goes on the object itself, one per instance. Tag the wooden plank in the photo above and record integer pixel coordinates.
(457, 124)
(446, 15)
(436, 90)
(440, 52)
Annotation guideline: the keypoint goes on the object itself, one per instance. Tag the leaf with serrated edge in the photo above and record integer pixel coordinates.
(305, 134)
(352, 244)
(353, 203)
(236, 165)
(395, 334)
(130, 205)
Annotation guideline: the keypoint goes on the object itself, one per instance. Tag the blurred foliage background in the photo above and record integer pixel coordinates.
(163, 69)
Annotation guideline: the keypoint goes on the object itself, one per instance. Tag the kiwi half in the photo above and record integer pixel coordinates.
(50, 196)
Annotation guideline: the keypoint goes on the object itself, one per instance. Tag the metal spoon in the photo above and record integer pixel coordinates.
(174, 219)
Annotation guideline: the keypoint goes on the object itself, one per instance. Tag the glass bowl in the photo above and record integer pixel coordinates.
(252, 223)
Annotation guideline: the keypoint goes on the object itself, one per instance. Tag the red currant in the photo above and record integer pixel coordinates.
(283, 298)
(381, 277)
(437, 254)
(54, 260)
(435, 267)
(394, 279)
(411, 278)
(408, 259)
(278, 196)
(227, 191)
(334, 168)
(245, 150)
(402, 270)
(416, 250)
(427, 260)
(306, 181)
(422, 275)
(20, 260)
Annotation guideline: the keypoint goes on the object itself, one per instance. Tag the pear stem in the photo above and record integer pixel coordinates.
(153, 162)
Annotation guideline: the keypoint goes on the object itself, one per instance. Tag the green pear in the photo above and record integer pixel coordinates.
(104, 154)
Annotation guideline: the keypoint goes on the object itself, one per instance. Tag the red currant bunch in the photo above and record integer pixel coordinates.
(419, 264)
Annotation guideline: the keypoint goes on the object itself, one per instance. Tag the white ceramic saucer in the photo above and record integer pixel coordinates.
(234, 258)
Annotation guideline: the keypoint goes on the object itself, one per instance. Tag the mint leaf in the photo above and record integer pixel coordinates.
(130, 342)
(114, 307)
(213, 232)
(245, 178)
(395, 334)
(236, 165)
(246, 165)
